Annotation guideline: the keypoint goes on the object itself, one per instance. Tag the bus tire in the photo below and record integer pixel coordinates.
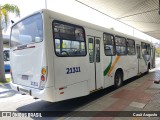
(118, 79)
(148, 68)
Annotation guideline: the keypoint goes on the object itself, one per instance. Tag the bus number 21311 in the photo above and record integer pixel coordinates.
(73, 70)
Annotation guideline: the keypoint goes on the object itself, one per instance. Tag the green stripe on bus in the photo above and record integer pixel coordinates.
(108, 67)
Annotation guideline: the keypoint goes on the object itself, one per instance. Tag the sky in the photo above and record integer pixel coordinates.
(74, 9)
(26, 7)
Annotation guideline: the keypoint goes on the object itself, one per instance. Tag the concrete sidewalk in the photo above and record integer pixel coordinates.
(5, 87)
(140, 95)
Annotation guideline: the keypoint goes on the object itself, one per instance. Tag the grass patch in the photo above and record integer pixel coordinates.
(7, 81)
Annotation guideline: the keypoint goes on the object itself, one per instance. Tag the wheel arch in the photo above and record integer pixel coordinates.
(119, 70)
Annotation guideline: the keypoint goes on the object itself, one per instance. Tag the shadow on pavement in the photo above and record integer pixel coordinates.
(6, 91)
(64, 108)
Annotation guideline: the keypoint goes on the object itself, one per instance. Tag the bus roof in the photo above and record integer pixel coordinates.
(69, 19)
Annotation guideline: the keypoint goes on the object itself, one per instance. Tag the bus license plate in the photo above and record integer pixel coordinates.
(24, 77)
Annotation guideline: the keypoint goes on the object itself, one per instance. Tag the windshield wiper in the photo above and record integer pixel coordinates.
(23, 47)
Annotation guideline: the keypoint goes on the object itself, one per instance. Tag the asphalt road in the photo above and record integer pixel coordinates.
(11, 100)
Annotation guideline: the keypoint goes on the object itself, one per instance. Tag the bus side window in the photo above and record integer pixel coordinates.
(131, 47)
(121, 45)
(69, 39)
(97, 50)
(146, 50)
(109, 44)
(91, 50)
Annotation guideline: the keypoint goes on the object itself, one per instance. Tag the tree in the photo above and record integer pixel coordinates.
(4, 18)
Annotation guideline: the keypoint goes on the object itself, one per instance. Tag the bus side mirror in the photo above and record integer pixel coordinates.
(12, 21)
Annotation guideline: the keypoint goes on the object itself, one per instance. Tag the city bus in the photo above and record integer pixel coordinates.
(55, 57)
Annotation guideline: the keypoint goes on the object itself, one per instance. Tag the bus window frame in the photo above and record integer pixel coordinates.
(114, 46)
(73, 25)
(119, 54)
(130, 46)
(91, 55)
(146, 47)
(41, 13)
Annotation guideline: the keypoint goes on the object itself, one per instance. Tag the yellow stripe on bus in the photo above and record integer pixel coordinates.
(113, 65)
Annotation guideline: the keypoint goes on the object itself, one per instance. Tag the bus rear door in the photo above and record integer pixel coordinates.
(94, 60)
(138, 58)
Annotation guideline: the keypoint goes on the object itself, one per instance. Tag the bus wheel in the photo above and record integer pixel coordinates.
(118, 79)
(148, 68)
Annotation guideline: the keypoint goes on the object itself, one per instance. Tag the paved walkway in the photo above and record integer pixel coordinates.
(140, 95)
(6, 92)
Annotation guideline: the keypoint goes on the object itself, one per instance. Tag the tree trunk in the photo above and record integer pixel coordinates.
(2, 73)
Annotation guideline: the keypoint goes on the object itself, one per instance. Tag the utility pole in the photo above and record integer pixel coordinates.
(159, 8)
(45, 4)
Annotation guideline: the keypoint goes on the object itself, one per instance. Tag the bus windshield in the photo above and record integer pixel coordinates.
(27, 31)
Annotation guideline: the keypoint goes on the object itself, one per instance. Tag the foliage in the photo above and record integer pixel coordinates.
(7, 81)
(4, 18)
(5, 10)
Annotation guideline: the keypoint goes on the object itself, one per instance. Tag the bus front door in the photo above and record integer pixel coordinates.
(94, 60)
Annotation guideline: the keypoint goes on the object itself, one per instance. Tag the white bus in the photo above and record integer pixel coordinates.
(55, 57)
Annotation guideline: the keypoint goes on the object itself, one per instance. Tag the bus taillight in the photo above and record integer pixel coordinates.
(44, 71)
(43, 78)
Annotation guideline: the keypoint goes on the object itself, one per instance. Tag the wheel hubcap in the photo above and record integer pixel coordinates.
(118, 80)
